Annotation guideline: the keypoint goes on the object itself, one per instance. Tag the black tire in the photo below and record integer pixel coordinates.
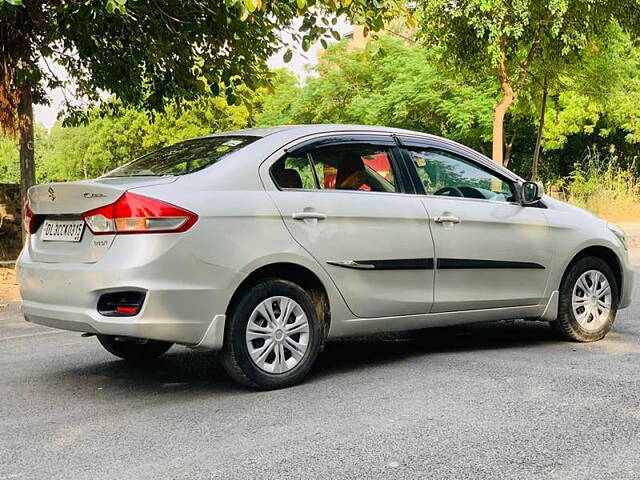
(567, 326)
(133, 350)
(235, 356)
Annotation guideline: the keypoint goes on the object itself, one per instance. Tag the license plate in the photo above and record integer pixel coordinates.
(62, 230)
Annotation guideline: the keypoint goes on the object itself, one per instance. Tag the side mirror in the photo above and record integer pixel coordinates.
(530, 192)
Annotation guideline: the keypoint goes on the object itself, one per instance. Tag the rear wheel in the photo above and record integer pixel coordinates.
(588, 301)
(273, 336)
(133, 349)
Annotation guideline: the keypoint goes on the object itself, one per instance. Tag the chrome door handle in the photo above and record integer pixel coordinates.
(309, 216)
(446, 219)
(353, 264)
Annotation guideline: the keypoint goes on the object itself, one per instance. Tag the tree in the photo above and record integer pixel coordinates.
(146, 52)
(508, 37)
(391, 82)
(105, 142)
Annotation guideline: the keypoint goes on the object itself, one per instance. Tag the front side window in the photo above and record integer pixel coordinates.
(355, 167)
(182, 158)
(447, 174)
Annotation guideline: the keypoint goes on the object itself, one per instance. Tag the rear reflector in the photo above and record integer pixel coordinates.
(133, 213)
(133, 310)
(121, 304)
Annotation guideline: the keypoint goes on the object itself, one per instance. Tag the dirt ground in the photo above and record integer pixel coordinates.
(8, 285)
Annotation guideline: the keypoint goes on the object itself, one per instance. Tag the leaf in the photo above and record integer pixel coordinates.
(301, 4)
(251, 5)
(336, 35)
(288, 55)
(17, 3)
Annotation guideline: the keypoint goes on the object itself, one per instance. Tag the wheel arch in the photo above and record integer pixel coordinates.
(604, 253)
(293, 272)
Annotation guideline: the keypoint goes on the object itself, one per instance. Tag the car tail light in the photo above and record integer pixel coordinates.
(133, 213)
(28, 218)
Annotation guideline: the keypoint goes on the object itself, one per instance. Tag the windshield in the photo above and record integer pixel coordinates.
(182, 158)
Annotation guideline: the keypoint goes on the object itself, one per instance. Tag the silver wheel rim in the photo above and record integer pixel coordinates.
(277, 335)
(591, 300)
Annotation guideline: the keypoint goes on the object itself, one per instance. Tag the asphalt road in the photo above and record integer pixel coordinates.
(501, 401)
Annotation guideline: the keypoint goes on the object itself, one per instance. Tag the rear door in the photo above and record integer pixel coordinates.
(347, 204)
(491, 251)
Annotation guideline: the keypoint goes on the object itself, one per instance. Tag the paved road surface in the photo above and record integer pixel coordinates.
(495, 401)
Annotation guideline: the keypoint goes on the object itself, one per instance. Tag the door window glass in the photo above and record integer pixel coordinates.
(444, 173)
(294, 172)
(355, 167)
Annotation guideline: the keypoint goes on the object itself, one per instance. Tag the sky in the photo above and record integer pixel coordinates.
(301, 61)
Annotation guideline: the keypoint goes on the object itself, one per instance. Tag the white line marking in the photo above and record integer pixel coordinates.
(31, 335)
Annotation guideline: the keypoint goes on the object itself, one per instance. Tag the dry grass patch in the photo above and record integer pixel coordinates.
(8, 285)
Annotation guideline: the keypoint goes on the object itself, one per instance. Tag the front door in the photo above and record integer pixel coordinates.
(345, 205)
(490, 251)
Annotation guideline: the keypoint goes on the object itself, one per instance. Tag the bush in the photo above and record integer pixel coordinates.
(605, 187)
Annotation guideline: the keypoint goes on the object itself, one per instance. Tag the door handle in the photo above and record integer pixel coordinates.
(446, 219)
(353, 264)
(309, 216)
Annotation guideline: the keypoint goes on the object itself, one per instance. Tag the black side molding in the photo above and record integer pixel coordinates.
(428, 264)
(399, 264)
(466, 263)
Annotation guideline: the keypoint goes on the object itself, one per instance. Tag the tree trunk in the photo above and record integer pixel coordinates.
(508, 151)
(26, 133)
(536, 151)
(500, 109)
(499, 112)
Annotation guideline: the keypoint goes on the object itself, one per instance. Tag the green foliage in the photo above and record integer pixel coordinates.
(482, 33)
(602, 185)
(148, 52)
(107, 141)
(388, 83)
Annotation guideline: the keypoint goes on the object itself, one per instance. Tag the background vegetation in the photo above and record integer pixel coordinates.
(590, 141)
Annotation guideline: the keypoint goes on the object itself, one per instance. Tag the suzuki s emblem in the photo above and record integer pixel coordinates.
(93, 195)
(52, 194)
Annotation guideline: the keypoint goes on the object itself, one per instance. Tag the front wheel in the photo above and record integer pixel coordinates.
(588, 301)
(133, 349)
(273, 336)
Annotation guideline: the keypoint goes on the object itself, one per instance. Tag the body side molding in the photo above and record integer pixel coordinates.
(467, 263)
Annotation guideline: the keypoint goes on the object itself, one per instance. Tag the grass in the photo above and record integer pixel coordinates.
(603, 186)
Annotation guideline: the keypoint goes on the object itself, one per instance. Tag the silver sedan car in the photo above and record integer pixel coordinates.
(265, 243)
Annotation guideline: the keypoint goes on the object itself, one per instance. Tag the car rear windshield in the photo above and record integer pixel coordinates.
(182, 158)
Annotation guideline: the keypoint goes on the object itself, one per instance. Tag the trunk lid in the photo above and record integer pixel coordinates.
(67, 202)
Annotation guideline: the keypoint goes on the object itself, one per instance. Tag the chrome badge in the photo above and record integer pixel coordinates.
(52, 194)
(93, 195)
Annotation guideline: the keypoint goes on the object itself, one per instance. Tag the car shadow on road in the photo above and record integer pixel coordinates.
(182, 370)
(344, 355)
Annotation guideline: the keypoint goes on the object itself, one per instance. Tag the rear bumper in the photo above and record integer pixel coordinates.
(185, 298)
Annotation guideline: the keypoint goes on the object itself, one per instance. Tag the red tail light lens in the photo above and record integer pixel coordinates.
(133, 213)
(28, 218)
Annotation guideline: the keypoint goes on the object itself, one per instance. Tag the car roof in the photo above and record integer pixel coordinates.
(301, 130)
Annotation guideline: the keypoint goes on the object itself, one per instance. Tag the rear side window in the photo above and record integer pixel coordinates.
(182, 158)
(342, 167)
(294, 172)
(355, 167)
